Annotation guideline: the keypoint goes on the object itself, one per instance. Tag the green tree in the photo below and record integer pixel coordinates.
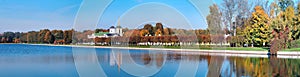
(296, 28)
(258, 32)
(32, 37)
(23, 37)
(9, 36)
(214, 20)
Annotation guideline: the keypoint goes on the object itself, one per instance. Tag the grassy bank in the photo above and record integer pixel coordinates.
(209, 48)
(291, 50)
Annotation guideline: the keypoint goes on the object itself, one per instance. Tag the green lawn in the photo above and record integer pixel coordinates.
(292, 49)
(209, 48)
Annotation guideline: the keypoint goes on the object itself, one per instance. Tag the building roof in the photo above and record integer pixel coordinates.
(112, 27)
(101, 33)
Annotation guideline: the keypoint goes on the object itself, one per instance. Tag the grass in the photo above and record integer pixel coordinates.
(292, 49)
(209, 48)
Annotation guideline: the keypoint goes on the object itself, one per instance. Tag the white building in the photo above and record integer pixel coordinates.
(113, 32)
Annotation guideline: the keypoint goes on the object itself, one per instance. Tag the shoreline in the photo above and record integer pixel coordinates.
(235, 52)
(195, 51)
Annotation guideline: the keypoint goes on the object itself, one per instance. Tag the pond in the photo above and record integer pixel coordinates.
(19, 60)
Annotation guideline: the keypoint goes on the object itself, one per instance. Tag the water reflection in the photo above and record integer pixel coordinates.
(221, 65)
(59, 62)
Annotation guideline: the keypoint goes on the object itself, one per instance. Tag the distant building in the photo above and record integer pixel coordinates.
(113, 32)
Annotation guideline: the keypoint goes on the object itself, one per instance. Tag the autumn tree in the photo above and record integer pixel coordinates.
(150, 28)
(23, 37)
(68, 36)
(144, 32)
(258, 32)
(58, 34)
(214, 20)
(160, 27)
(41, 35)
(49, 38)
(158, 33)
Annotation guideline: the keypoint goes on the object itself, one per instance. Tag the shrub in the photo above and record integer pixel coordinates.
(295, 44)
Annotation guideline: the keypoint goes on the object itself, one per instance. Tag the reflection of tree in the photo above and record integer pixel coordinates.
(264, 67)
(146, 58)
(159, 59)
(214, 66)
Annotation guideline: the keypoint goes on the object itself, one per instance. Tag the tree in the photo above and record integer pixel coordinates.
(158, 33)
(23, 37)
(160, 27)
(214, 20)
(149, 27)
(42, 34)
(68, 36)
(229, 12)
(144, 32)
(258, 32)
(167, 31)
(284, 4)
(9, 36)
(32, 37)
(99, 30)
(296, 28)
(58, 34)
(49, 38)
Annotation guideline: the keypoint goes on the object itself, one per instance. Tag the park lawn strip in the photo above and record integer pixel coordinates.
(292, 50)
(209, 48)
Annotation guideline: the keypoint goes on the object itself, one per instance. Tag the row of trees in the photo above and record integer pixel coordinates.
(172, 40)
(42, 36)
(274, 23)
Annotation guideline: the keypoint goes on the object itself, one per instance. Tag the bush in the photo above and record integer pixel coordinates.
(295, 44)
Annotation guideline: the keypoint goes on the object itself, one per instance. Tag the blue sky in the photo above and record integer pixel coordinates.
(28, 15)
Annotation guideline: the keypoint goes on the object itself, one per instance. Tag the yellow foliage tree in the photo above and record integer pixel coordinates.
(258, 31)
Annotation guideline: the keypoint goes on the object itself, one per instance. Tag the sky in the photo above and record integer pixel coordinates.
(33, 15)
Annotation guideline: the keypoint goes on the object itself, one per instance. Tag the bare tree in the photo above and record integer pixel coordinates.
(229, 11)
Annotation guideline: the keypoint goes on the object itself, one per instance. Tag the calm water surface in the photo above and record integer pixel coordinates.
(18, 60)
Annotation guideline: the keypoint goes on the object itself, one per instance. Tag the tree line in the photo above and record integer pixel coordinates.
(42, 36)
(262, 23)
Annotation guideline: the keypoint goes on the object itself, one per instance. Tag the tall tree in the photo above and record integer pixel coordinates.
(229, 10)
(68, 36)
(42, 34)
(214, 20)
(258, 32)
(296, 27)
(58, 34)
(49, 38)
(150, 28)
(23, 37)
(32, 37)
(284, 4)
(160, 27)
(9, 36)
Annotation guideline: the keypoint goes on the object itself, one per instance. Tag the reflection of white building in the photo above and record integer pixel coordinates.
(113, 32)
(115, 59)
